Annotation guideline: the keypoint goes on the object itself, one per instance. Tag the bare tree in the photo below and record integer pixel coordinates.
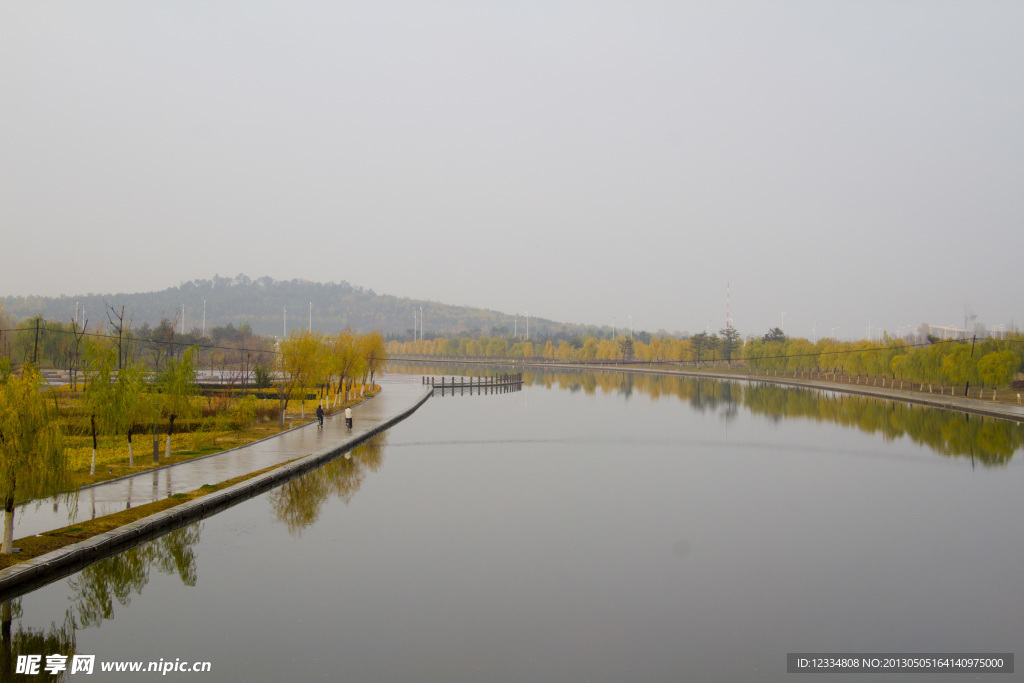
(77, 351)
(118, 325)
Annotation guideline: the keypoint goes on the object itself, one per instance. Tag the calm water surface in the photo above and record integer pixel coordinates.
(585, 528)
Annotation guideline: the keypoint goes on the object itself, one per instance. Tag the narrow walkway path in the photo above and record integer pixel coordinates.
(398, 394)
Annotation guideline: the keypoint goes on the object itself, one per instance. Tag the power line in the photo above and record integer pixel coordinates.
(839, 352)
(144, 340)
(154, 342)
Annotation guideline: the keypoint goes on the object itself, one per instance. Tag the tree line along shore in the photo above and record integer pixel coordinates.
(985, 361)
(942, 364)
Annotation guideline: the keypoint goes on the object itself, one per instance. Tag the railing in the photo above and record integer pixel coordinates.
(481, 385)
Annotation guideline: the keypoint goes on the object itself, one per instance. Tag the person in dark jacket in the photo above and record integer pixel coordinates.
(320, 415)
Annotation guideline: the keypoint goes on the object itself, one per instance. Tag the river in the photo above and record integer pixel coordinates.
(596, 527)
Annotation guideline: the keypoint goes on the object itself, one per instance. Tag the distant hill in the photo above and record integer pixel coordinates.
(262, 303)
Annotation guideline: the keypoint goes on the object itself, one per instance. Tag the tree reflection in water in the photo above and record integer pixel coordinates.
(29, 641)
(96, 588)
(988, 441)
(119, 577)
(94, 591)
(298, 502)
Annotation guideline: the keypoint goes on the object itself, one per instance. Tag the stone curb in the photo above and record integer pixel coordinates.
(40, 571)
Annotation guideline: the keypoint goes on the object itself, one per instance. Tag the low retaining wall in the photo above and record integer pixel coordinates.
(53, 566)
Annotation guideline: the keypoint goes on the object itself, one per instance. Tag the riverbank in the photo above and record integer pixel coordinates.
(975, 406)
(205, 437)
(945, 402)
(51, 566)
(30, 547)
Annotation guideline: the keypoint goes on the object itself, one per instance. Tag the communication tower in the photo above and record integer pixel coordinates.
(728, 320)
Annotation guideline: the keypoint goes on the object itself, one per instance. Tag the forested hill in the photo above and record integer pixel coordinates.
(262, 303)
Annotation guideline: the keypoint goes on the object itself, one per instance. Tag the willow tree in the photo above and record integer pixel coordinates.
(997, 367)
(346, 360)
(101, 395)
(374, 353)
(177, 385)
(959, 366)
(131, 405)
(33, 461)
(301, 362)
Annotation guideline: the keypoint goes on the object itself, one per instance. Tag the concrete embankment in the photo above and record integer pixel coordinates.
(27, 576)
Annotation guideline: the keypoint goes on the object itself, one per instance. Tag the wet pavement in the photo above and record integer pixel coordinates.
(399, 393)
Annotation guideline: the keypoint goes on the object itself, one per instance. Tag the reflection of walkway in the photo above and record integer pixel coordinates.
(400, 392)
(957, 403)
(962, 404)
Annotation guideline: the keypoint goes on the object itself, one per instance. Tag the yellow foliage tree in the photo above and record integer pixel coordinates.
(299, 360)
(33, 462)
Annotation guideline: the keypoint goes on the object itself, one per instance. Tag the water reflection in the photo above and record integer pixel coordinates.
(987, 441)
(96, 590)
(298, 502)
(93, 592)
(56, 640)
(119, 577)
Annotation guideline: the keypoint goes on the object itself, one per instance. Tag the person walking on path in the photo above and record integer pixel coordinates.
(320, 415)
(348, 417)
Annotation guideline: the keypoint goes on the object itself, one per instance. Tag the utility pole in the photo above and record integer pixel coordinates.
(204, 317)
(967, 386)
(284, 329)
(35, 349)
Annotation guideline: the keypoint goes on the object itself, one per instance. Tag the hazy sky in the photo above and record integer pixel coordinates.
(583, 161)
